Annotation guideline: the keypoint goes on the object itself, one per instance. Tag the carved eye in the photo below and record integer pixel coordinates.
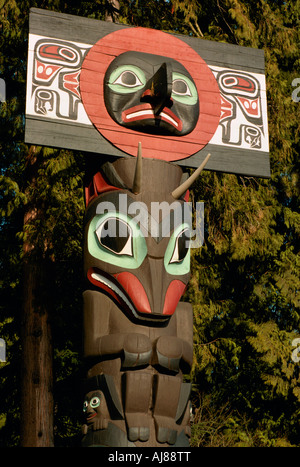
(85, 406)
(116, 238)
(181, 247)
(115, 235)
(180, 87)
(129, 79)
(95, 402)
(126, 79)
(184, 89)
(177, 257)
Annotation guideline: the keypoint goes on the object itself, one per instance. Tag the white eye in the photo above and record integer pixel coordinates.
(128, 79)
(115, 235)
(184, 89)
(181, 247)
(85, 406)
(95, 402)
(181, 88)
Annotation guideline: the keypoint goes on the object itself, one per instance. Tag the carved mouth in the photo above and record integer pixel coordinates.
(113, 288)
(90, 417)
(145, 112)
(100, 280)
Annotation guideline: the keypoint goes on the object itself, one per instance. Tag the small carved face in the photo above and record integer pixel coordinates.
(91, 406)
(151, 93)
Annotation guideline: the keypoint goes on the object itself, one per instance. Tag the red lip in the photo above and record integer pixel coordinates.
(145, 112)
(91, 416)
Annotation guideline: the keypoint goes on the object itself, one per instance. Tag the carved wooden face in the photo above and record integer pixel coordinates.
(91, 405)
(151, 93)
(95, 410)
(137, 246)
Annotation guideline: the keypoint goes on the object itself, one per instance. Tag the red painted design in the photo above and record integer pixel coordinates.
(57, 52)
(174, 293)
(135, 290)
(97, 186)
(226, 108)
(45, 72)
(250, 106)
(71, 83)
(165, 147)
(239, 83)
(104, 287)
(145, 111)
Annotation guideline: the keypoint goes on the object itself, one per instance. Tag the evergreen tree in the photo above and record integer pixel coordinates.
(246, 277)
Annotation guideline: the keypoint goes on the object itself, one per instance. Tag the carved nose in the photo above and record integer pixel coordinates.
(156, 285)
(159, 88)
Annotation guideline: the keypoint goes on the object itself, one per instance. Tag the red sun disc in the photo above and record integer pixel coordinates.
(169, 148)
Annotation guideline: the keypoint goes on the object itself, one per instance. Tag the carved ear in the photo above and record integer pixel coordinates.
(137, 182)
(179, 191)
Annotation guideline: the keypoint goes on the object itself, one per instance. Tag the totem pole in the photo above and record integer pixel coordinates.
(143, 105)
(138, 335)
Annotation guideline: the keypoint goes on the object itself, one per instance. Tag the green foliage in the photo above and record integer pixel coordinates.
(245, 279)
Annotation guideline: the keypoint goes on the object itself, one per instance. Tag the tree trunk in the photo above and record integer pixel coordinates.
(36, 370)
(112, 10)
(37, 374)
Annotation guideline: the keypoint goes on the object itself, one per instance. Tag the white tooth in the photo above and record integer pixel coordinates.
(167, 117)
(96, 276)
(116, 289)
(140, 113)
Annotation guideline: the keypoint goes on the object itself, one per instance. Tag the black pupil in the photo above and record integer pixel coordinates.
(118, 237)
(128, 78)
(180, 87)
(183, 245)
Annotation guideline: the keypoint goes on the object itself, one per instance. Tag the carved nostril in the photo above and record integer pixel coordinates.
(148, 94)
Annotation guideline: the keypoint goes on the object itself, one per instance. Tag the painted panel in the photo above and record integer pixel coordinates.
(66, 80)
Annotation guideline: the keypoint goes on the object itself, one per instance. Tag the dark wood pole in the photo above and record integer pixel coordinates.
(36, 341)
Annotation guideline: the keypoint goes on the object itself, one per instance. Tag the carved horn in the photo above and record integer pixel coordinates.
(179, 191)
(137, 182)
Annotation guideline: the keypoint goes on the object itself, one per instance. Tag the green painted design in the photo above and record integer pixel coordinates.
(177, 255)
(184, 90)
(106, 233)
(127, 79)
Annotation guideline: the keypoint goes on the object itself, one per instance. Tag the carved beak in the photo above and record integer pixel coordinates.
(159, 88)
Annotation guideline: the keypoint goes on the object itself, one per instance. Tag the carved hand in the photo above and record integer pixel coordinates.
(168, 352)
(137, 350)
